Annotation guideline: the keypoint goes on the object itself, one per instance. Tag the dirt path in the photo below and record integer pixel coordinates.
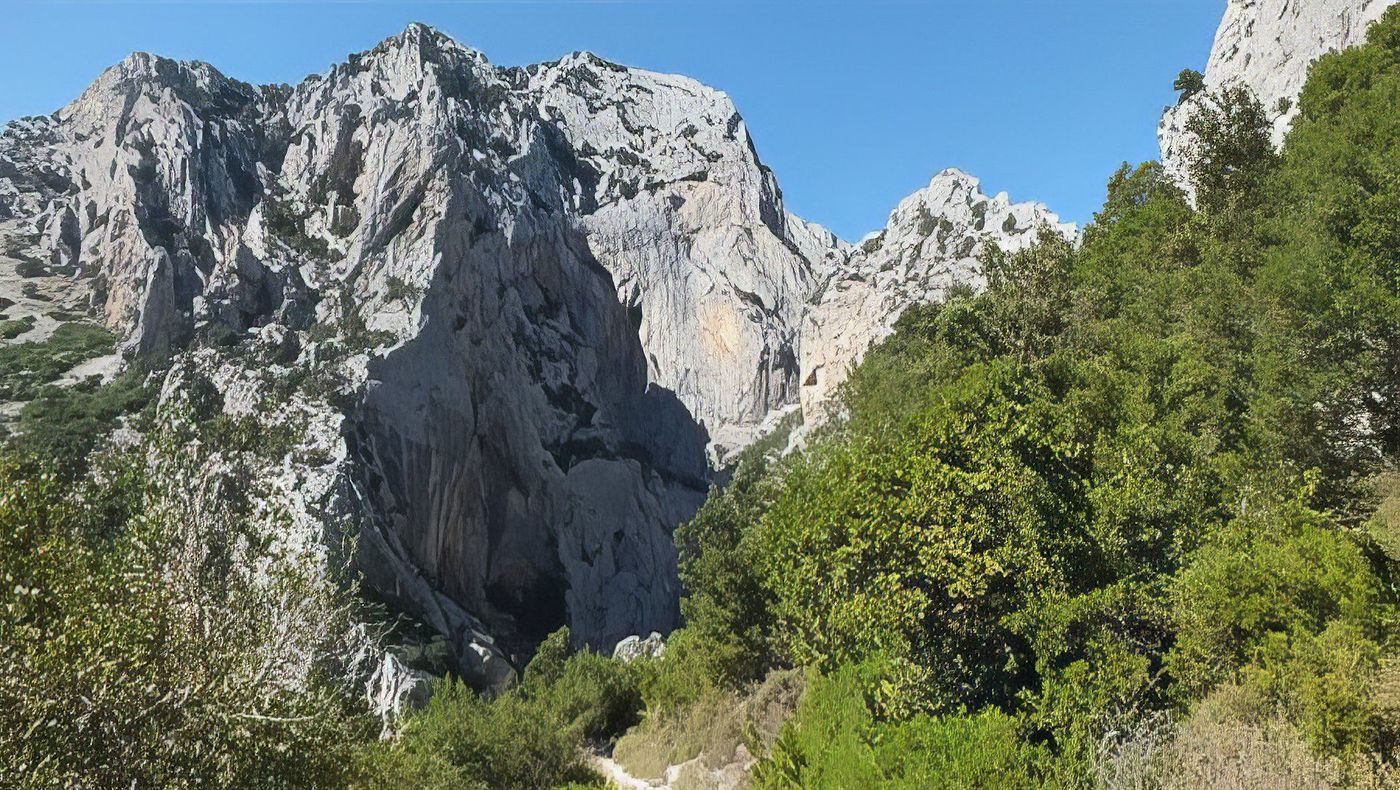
(619, 776)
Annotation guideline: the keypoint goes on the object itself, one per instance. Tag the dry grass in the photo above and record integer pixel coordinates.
(1229, 755)
(1226, 744)
(716, 732)
(712, 727)
(1385, 525)
(694, 775)
(769, 706)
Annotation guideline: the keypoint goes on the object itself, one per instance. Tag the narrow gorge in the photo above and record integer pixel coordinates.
(513, 322)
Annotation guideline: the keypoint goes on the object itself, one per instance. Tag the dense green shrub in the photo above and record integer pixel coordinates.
(532, 735)
(726, 643)
(1332, 282)
(1280, 575)
(836, 741)
(13, 328)
(24, 367)
(463, 740)
(1124, 475)
(957, 523)
(1189, 83)
(65, 424)
(591, 697)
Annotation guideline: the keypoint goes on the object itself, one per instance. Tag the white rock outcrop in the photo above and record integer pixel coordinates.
(934, 241)
(691, 226)
(635, 647)
(1268, 46)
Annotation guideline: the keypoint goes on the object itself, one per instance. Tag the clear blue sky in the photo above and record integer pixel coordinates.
(854, 104)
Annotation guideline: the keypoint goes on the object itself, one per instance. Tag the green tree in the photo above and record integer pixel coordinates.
(727, 610)
(137, 645)
(1333, 280)
(1233, 155)
(919, 547)
(836, 741)
(1188, 83)
(1030, 295)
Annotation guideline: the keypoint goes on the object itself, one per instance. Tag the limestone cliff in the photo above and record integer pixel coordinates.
(933, 242)
(513, 317)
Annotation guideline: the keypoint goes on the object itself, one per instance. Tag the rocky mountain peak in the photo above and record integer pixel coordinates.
(198, 85)
(933, 242)
(422, 42)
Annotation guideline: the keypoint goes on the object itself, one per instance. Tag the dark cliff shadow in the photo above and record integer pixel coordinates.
(513, 457)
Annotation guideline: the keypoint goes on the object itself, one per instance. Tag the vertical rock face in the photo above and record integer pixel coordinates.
(678, 208)
(413, 228)
(1267, 46)
(516, 316)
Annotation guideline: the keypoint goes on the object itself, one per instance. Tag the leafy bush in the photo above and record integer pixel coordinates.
(11, 329)
(462, 740)
(1332, 283)
(1270, 580)
(137, 646)
(592, 697)
(1234, 155)
(529, 736)
(871, 541)
(726, 643)
(65, 424)
(836, 741)
(1189, 83)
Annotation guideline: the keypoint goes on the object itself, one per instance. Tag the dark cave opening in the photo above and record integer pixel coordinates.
(536, 607)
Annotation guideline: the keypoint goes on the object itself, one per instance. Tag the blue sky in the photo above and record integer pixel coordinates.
(854, 104)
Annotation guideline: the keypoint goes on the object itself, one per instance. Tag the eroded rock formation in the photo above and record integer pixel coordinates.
(514, 317)
(933, 242)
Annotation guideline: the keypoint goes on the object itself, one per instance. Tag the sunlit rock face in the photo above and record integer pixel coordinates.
(515, 317)
(677, 206)
(1267, 46)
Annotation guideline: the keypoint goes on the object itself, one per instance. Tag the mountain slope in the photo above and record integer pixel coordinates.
(515, 317)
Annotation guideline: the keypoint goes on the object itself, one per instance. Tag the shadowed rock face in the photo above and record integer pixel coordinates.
(529, 310)
(516, 452)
